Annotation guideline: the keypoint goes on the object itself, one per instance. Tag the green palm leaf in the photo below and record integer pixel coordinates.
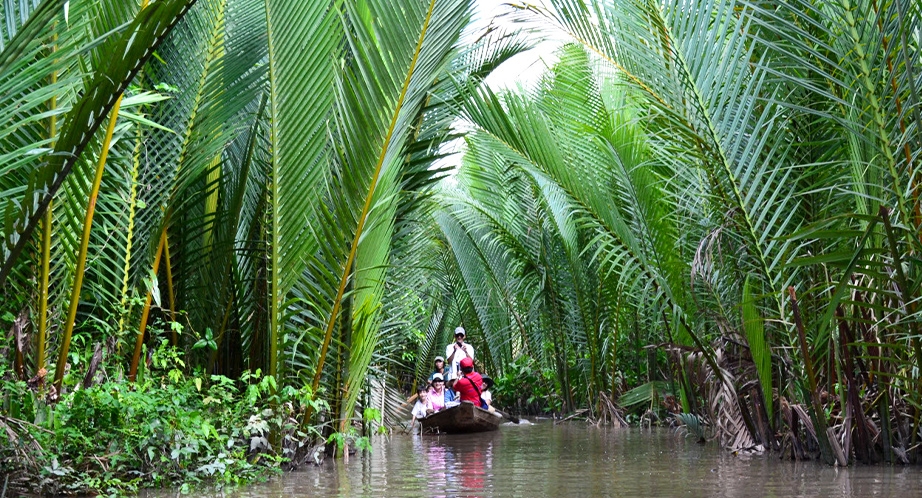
(14, 41)
(136, 46)
(754, 332)
(374, 120)
(298, 141)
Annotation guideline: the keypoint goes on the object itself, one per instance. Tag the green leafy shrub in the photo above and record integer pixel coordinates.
(167, 429)
(524, 388)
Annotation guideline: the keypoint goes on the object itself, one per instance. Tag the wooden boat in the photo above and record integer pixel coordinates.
(461, 419)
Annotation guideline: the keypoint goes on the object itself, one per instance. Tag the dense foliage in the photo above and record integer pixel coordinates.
(707, 210)
(167, 428)
(734, 183)
(262, 165)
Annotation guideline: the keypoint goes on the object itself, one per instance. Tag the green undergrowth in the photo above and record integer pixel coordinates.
(167, 429)
(526, 389)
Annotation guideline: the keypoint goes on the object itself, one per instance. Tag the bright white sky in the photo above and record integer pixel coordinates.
(524, 69)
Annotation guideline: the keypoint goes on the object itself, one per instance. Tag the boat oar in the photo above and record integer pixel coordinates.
(507, 416)
(409, 400)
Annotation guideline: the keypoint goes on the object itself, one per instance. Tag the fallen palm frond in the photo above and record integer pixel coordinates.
(20, 452)
(609, 412)
(732, 430)
(729, 414)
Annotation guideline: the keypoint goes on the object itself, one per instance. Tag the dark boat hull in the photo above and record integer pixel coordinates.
(462, 419)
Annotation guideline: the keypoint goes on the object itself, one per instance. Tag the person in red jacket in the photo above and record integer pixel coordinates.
(470, 384)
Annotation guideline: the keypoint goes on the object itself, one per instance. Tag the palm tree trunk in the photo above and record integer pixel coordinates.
(43, 290)
(174, 340)
(819, 416)
(139, 340)
(85, 240)
(46, 245)
(84, 245)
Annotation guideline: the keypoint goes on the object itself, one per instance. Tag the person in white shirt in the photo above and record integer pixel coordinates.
(457, 351)
(423, 406)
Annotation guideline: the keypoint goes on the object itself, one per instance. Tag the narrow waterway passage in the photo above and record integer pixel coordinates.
(578, 460)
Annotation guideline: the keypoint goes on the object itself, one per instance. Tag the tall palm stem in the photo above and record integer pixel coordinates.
(46, 243)
(84, 245)
(910, 304)
(43, 289)
(275, 237)
(139, 340)
(129, 245)
(85, 239)
(819, 416)
(169, 286)
(907, 151)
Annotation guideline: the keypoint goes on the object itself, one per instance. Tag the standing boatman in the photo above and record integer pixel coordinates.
(457, 351)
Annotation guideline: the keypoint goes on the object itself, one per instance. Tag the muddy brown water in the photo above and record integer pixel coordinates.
(574, 459)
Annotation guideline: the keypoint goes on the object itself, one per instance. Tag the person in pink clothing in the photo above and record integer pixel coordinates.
(437, 392)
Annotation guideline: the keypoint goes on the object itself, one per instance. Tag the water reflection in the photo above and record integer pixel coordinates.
(454, 464)
(577, 460)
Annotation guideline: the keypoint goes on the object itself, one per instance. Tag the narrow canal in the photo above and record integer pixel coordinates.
(578, 460)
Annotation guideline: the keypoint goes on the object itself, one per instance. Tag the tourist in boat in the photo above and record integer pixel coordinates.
(439, 368)
(458, 350)
(423, 406)
(470, 384)
(437, 395)
(451, 396)
(487, 395)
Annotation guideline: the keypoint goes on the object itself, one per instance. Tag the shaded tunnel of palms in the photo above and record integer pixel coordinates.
(329, 188)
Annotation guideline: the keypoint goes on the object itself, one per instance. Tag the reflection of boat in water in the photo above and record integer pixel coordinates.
(461, 419)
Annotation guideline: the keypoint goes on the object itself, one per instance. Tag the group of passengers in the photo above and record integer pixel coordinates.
(453, 381)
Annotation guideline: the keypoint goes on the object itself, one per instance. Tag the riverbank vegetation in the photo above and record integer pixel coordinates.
(228, 209)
